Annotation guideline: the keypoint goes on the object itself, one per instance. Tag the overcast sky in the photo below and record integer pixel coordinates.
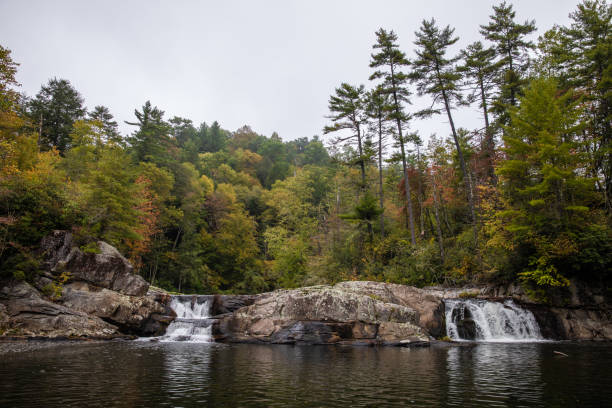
(268, 64)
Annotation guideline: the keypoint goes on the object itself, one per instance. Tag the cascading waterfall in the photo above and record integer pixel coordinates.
(192, 323)
(482, 320)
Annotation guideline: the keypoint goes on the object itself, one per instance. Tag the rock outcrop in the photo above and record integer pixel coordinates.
(140, 315)
(428, 302)
(321, 315)
(30, 315)
(368, 313)
(94, 295)
(223, 304)
(580, 311)
(105, 268)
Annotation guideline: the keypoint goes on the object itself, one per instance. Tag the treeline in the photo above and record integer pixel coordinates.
(525, 197)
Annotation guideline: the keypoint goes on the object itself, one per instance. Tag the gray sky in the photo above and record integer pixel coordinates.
(269, 64)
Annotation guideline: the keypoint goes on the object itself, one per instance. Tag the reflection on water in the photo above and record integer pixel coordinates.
(187, 374)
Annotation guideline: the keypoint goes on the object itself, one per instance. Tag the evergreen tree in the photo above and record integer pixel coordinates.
(109, 127)
(479, 76)
(437, 76)
(511, 47)
(54, 110)
(378, 107)
(347, 109)
(582, 54)
(151, 142)
(8, 69)
(389, 62)
(548, 198)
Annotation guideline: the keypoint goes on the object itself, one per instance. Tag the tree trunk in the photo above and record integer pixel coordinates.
(361, 161)
(380, 178)
(437, 215)
(466, 175)
(489, 142)
(403, 151)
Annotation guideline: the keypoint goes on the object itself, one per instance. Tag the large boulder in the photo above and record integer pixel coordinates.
(428, 303)
(140, 315)
(229, 303)
(321, 315)
(32, 316)
(105, 268)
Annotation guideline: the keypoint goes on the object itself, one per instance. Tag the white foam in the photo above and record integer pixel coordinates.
(493, 321)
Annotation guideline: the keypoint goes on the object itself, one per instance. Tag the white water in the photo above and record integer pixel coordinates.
(491, 321)
(192, 323)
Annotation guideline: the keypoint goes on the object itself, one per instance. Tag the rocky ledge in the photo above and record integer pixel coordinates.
(352, 313)
(377, 313)
(82, 294)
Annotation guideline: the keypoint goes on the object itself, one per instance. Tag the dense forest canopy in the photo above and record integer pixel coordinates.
(526, 197)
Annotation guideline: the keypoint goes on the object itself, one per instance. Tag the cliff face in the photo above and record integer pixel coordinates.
(579, 312)
(94, 295)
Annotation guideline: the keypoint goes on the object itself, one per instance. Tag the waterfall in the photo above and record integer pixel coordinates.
(482, 320)
(192, 323)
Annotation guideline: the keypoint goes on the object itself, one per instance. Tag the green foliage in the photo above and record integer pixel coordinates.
(468, 295)
(54, 110)
(202, 209)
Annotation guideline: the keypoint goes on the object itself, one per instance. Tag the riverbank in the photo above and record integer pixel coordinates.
(95, 295)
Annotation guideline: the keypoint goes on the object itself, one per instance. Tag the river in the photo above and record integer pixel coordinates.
(144, 374)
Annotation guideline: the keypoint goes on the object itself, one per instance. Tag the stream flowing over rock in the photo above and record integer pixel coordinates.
(101, 297)
(96, 294)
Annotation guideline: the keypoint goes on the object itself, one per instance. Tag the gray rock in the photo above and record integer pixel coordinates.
(107, 268)
(320, 315)
(229, 303)
(428, 303)
(4, 318)
(140, 315)
(30, 315)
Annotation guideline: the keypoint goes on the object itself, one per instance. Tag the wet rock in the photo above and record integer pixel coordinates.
(559, 323)
(32, 316)
(107, 268)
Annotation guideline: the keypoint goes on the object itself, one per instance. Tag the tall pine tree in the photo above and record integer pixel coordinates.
(436, 75)
(389, 61)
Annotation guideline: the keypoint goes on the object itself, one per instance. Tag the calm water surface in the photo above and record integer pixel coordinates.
(137, 374)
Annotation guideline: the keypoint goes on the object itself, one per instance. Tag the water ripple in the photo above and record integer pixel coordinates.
(131, 374)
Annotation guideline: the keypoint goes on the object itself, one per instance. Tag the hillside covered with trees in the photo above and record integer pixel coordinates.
(526, 197)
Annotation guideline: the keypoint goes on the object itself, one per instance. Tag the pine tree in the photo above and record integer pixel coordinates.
(511, 47)
(151, 142)
(389, 62)
(109, 127)
(582, 54)
(54, 110)
(348, 113)
(378, 107)
(479, 75)
(437, 76)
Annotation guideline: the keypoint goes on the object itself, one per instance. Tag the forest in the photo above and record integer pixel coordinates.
(525, 198)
